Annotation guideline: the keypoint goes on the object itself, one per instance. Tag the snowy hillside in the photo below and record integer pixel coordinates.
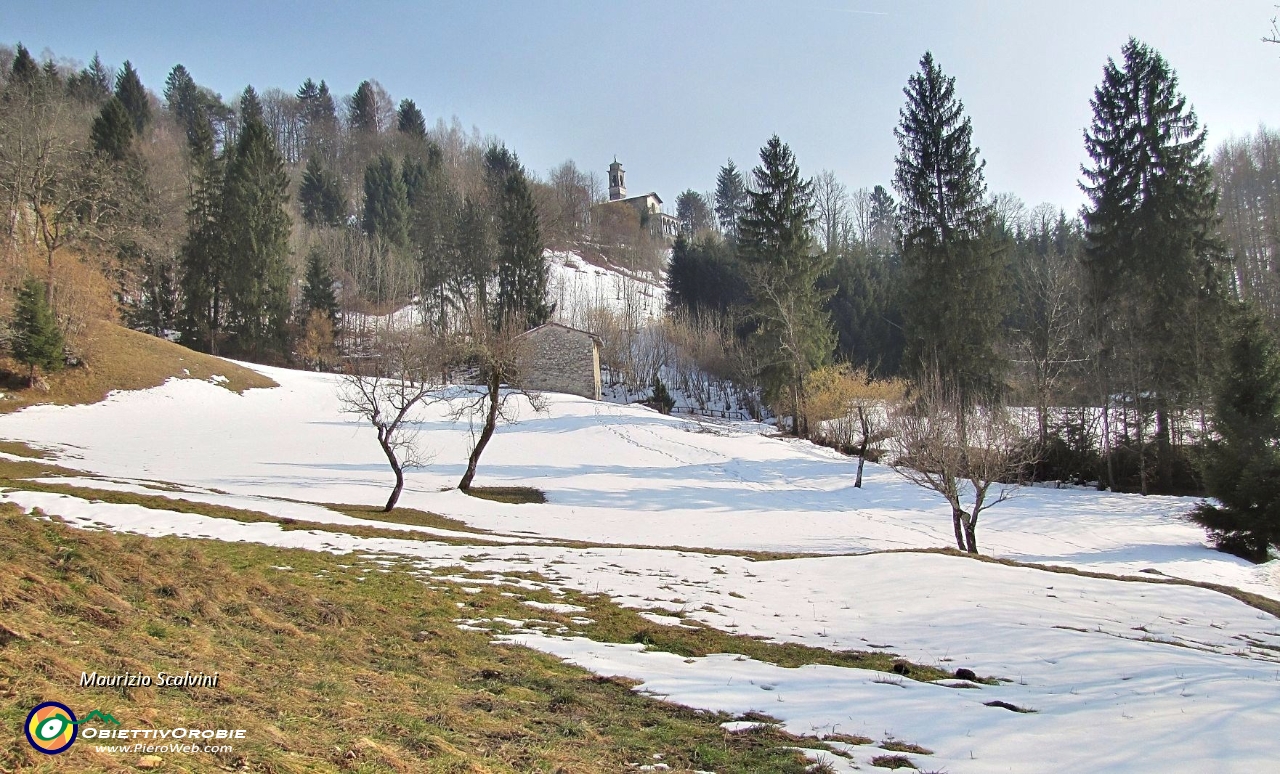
(577, 286)
(1123, 676)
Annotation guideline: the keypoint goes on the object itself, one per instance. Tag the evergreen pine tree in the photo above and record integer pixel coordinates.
(1242, 460)
(881, 238)
(133, 96)
(256, 229)
(410, 121)
(24, 68)
(475, 249)
(98, 78)
(866, 310)
(202, 259)
(953, 273)
(320, 195)
(414, 172)
(319, 115)
(52, 77)
(112, 131)
(1151, 248)
(92, 85)
(157, 313)
(364, 110)
(433, 221)
(386, 202)
(703, 276)
(521, 266)
(731, 199)
(37, 339)
(183, 98)
(317, 288)
(793, 333)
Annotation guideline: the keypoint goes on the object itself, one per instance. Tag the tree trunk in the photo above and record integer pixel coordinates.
(395, 465)
(1164, 451)
(957, 522)
(862, 447)
(970, 535)
(490, 422)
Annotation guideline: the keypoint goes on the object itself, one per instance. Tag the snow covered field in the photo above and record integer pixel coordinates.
(1124, 676)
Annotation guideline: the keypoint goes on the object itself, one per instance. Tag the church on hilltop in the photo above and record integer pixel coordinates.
(649, 205)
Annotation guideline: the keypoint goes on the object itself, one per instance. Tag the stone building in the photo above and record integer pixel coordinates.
(557, 358)
(648, 205)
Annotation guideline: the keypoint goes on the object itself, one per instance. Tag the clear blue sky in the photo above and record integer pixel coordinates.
(674, 87)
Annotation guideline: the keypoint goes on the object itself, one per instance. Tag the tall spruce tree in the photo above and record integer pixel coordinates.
(133, 96)
(37, 339)
(386, 203)
(1151, 250)
(24, 68)
(521, 266)
(202, 259)
(1242, 460)
(476, 250)
(256, 229)
(320, 195)
(432, 223)
(92, 85)
(364, 109)
(704, 277)
(183, 98)
(317, 288)
(410, 121)
(953, 272)
(793, 334)
(319, 115)
(112, 131)
(731, 199)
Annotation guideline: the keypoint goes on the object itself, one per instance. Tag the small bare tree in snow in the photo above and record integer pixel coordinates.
(966, 453)
(389, 391)
(496, 351)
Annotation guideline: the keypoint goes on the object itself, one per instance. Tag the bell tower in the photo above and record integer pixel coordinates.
(617, 181)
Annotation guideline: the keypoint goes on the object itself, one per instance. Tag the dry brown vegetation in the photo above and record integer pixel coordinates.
(116, 358)
(327, 665)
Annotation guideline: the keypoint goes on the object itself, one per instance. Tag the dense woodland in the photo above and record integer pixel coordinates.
(1139, 334)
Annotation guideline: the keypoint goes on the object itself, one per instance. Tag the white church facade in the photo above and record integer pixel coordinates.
(649, 205)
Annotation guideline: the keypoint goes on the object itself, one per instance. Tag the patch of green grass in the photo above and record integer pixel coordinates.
(515, 495)
(330, 666)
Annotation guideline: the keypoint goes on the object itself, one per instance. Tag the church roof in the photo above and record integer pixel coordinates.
(639, 196)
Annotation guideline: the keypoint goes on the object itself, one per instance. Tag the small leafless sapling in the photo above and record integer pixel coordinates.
(497, 352)
(961, 451)
(389, 391)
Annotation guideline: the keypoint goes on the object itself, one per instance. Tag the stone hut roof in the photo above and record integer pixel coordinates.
(531, 331)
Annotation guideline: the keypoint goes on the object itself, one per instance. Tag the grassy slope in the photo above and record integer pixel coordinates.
(117, 358)
(326, 671)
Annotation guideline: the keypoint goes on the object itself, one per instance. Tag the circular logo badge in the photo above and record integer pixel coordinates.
(51, 727)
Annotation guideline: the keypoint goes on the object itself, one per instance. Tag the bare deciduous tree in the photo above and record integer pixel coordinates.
(496, 350)
(965, 453)
(389, 391)
(832, 205)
